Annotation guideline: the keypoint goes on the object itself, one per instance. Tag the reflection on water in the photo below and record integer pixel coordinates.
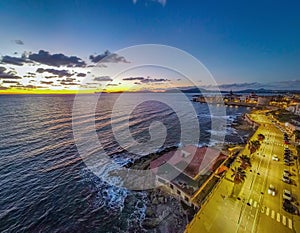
(45, 186)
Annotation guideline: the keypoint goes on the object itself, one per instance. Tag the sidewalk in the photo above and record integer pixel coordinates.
(221, 213)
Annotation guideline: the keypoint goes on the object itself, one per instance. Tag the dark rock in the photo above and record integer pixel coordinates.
(155, 201)
(150, 223)
(161, 200)
(150, 213)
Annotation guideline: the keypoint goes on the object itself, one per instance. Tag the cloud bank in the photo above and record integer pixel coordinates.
(57, 60)
(7, 75)
(162, 2)
(103, 79)
(146, 80)
(108, 57)
(59, 73)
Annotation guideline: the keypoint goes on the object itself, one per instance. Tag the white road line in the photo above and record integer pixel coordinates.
(284, 220)
(255, 204)
(268, 211)
(278, 217)
(273, 214)
(290, 224)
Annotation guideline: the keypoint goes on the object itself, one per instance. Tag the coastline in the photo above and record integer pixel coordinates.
(166, 213)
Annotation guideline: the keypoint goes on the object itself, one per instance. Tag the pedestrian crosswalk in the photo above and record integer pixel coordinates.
(279, 144)
(278, 217)
(284, 220)
(273, 214)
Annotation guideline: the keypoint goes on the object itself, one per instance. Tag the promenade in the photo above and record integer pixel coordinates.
(250, 208)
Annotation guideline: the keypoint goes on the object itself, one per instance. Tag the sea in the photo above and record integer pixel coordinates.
(45, 184)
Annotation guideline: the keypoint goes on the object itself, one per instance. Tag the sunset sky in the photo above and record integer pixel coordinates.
(56, 46)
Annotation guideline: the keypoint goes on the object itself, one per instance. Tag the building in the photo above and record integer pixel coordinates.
(292, 126)
(182, 171)
(263, 100)
(231, 97)
(294, 108)
(291, 108)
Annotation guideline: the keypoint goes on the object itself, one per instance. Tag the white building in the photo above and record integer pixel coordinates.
(294, 109)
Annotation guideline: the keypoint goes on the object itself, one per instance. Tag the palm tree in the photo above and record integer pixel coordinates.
(239, 175)
(253, 146)
(261, 137)
(245, 161)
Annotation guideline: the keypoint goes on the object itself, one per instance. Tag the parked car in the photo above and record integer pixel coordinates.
(286, 172)
(271, 190)
(286, 179)
(287, 160)
(289, 207)
(275, 158)
(287, 195)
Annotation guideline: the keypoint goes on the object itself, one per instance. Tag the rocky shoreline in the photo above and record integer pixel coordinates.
(243, 128)
(143, 163)
(165, 213)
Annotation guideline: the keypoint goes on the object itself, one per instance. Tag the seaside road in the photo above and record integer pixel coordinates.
(252, 209)
(219, 212)
(253, 192)
(270, 216)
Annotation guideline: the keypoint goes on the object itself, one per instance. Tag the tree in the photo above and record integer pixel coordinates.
(261, 137)
(253, 146)
(239, 175)
(245, 161)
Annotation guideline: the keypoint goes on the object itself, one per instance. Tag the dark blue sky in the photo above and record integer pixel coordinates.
(238, 41)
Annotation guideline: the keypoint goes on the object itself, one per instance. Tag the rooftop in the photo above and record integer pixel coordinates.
(191, 160)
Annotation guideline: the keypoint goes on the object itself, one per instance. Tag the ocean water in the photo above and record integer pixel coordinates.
(45, 186)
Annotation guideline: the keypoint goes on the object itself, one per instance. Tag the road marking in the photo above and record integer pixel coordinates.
(278, 217)
(290, 224)
(268, 211)
(284, 220)
(273, 214)
(255, 204)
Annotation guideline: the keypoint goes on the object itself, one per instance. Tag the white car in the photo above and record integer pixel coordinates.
(275, 158)
(287, 195)
(271, 190)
